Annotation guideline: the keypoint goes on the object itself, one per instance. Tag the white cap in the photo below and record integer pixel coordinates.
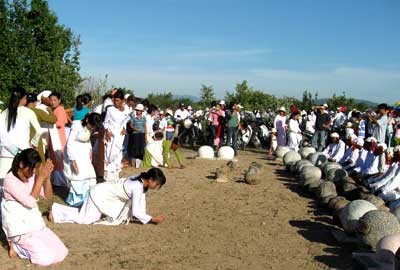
(360, 141)
(371, 139)
(240, 106)
(139, 107)
(353, 137)
(396, 148)
(189, 108)
(335, 135)
(45, 94)
(383, 145)
(349, 124)
(161, 112)
(170, 112)
(222, 102)
(126, 96)
(325, 105)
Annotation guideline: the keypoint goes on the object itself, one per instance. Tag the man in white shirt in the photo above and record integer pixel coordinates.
(339, 119)
(381, 122)
(336, 149)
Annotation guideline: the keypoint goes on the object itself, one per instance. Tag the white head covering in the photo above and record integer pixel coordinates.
(383, 145)
(222, 102)
(389, 151)
(126, 96)
(45, 94)
(349, 124)
(396, 148)
(353, 138)
(360, 141)
(335, 135)
(371, 139)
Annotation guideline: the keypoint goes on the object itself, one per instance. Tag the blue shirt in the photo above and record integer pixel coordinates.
(80, 115)
(139, 124)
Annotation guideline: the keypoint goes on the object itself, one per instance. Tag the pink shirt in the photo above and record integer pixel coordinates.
(16, 190)
(214, 116)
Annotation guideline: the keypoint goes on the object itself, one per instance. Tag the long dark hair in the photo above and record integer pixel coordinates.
(79, 102)
(29, 158)
(94, 119)
(156, 174)
(16, 94)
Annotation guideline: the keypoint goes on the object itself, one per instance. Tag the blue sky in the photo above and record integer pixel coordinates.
(281, 47)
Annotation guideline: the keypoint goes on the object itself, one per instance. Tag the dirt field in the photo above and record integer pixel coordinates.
(210, 226)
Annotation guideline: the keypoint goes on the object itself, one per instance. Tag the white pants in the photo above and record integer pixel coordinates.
(88, 214)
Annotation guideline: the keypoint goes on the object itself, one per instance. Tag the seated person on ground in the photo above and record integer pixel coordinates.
(380, 182)
(351, 146)
(335, 149)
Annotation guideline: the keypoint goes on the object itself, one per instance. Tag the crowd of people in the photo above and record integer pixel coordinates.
(45, 146)
(365, 144)
(83, 149)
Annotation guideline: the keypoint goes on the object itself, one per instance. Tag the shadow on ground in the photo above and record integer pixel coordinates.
(318, 230)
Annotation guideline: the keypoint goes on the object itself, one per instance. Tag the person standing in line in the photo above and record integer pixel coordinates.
(233, 118)
(280, 126)
(42, 116)
(78, 166)
(381, 122)
(115, 122)
(294, 131)
(137, 139)
(17, 119)
(322, 124)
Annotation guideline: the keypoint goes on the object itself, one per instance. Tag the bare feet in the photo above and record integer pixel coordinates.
(11, 251)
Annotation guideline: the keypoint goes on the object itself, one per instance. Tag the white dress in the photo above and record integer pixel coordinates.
(117, 200)
(294, 135)
(79, 148)
(17, 135)
(115, 122)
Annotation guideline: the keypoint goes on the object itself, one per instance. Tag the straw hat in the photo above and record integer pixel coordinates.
(283, 109)
(139, 107)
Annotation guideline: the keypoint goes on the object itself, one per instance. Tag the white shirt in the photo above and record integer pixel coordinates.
(137, 194)
(116, 120)
(339, 120)
(181, 114)
(162, 124)
(19, 134)
(335, 151)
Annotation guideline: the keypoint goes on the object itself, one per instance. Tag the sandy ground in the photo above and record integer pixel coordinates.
(210, 225)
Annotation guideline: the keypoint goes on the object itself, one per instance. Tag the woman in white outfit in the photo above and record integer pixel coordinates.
(117, 117)
(280, 126)
(294, 131)
(78, 167)
(17, 119)
(117, 200)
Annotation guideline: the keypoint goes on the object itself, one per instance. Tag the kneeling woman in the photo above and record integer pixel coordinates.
(117, 200)
(26, 232)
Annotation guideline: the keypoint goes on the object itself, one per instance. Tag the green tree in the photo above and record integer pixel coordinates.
(39, 52)
(207, 95)
(251, 99)
(307, 101)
